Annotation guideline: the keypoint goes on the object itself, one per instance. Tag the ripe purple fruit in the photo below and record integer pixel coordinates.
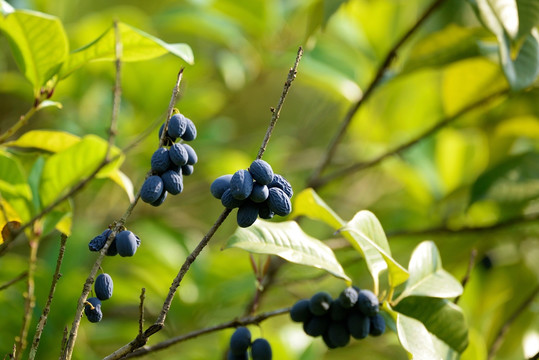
(348, 297)
(240, 341)
(261, 349)
(259, 193)
(367, 303)
(220, 185)
(378, 325)
(103, 287)
(358, 325)
(190, 131)
(92, 309)
(151, 189)
(317, 325)
(247, 214)
(160, 160)
(187, 170)
(160, 200)
(176, 125)
(241, 184)
(178, 154)
(127, 243)
(229, 201)
(338, 334)
(300, 311)
(279, 202)
(192, 157)
(320, 302)
(172, 181)
(281, 183)
(261, 171)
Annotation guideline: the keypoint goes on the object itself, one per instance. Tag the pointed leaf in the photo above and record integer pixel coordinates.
(287, 240)
(136, 46)
(522, 71)
(416, 339)
(440, 316)
(528, 16)
(47, 140)
(38, 42)
(14, 187)
(123, 181)
(367, 234)
(69, 166)
(427, 278)
(308, 203)
(48, 103)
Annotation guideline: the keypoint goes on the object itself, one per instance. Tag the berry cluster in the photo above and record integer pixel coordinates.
(170, 164)
(103, 291)
(354, 312)
(255, 192)
(125, 243)
(240, 343)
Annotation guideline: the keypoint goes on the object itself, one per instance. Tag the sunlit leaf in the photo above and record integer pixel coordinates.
(427, 277)
(48, 103)
(38, 43)
(7, 215)
(47, 140)
(60, 218)
(440, 316)
(528, 16)
(416, 339)
(123, 181)
(136, 46)
(287, 240)
(308, 203)
(513, 180)
(14, 187)
(65, 168)
(368, 234)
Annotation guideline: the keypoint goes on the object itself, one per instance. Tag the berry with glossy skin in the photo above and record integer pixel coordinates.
(261, 349)
(247, 214)
(281, 183)
(241, 184)
(300, 311)
(190, 131)
(176, 125)
(187, 170)
(172, 181)
(178, 154)
(348, 297)
(367, 303)
(160, 160)
(220, 185)
(103, 287)
(160, 200)
(231, 356)
(320, 302)
(279, 202)
(359, 325)
(93, 310)
(127, 243)
(261, 171)
(338, 334)
(229, 201)
(378, 325)
(317, 325)
(240, 341)
(192, 157)
(259, 193)
(152, 189)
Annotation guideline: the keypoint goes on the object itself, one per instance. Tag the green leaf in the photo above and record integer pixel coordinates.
(122, 180)
(287, 240)
(60, 218)
(308, 203)
(38, 43)
(14, 187)
(427, 278)
(416, 339)
(522, 71)
(69, 166)
(528, 16)
(46, 140)
(516, 179)
(48, 103)
(440, 316)
(369, 236)
(136, 46)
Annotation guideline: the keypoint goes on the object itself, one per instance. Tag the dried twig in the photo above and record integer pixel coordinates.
(14, 280)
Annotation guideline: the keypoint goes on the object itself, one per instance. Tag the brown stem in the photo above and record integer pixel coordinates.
(23, 120)
(43, 319)
(321, 181)
(141, 312)
(13, 281)
(229, 324)
(500, 336)
(173, 99)
(375, 81)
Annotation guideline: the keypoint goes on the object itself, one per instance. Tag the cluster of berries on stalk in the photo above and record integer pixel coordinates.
(240, 342)
(354, 313)
(103, 287)
(170, 164)
(256, 192)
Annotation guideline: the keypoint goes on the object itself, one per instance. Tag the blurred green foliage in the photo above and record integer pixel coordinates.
(472, 183)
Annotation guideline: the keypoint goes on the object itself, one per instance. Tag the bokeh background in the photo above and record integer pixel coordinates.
(243, 50)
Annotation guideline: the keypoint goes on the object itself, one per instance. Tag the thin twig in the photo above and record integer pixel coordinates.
(23, 120)
(29, 297)
(13, 281)
(466, 277)
(64, 342)
(500, 336)
(173, 99)
(117, 94)
(43, 319)
(229, 324)
(141, 340)
(277, 111)
(141, 312)
(321, 181)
